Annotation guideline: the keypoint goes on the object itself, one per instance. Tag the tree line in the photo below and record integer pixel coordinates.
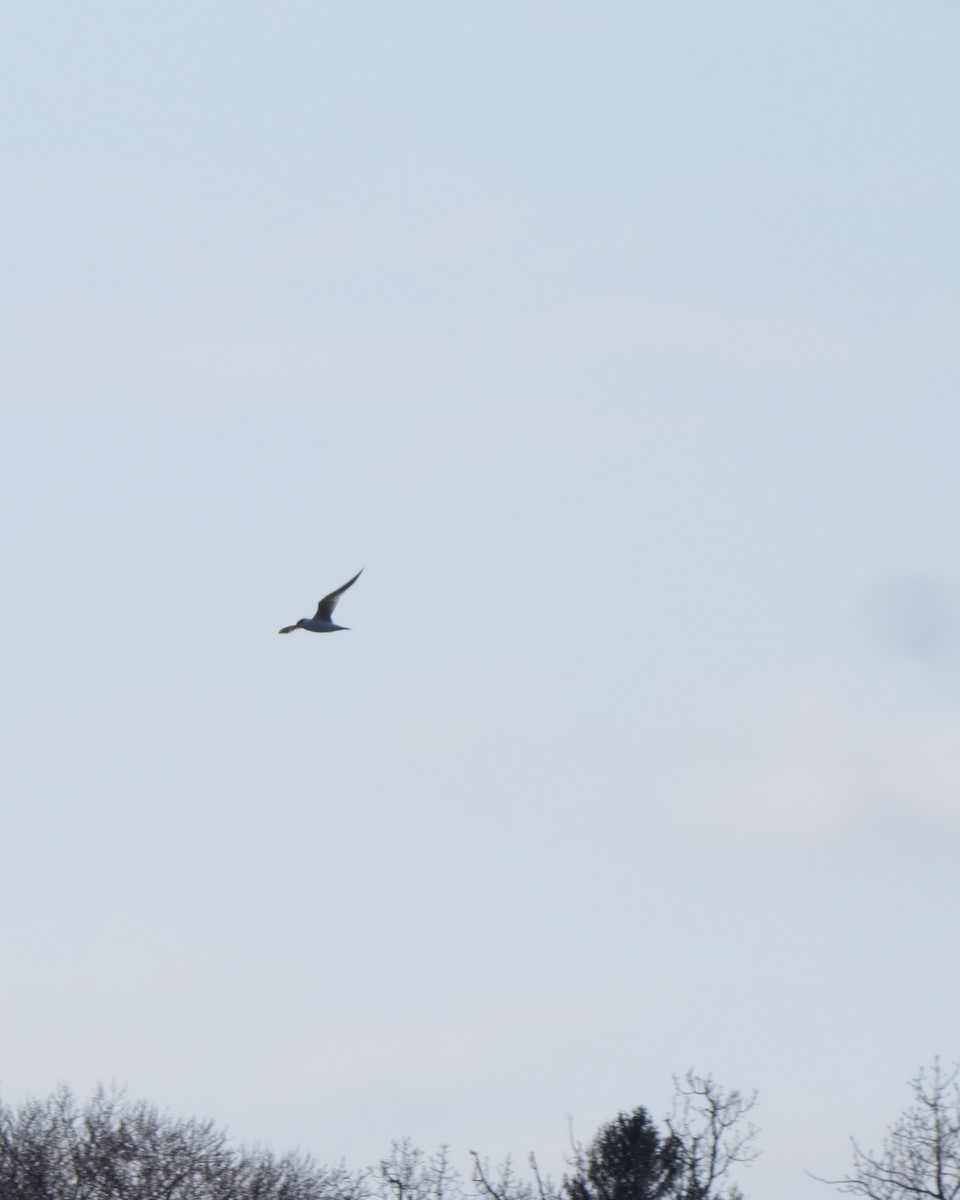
(111, 1148)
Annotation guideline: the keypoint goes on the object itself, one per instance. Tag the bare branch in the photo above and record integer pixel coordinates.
(921, 1152)
(713, 1127)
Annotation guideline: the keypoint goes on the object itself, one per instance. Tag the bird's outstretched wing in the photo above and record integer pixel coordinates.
(329, 603)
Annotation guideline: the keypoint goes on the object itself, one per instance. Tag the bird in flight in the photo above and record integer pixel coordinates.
(322, 621)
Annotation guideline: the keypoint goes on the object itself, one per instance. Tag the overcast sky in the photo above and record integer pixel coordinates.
(618, 343)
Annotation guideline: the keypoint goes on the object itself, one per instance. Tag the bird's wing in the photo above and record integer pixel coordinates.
(329, 603)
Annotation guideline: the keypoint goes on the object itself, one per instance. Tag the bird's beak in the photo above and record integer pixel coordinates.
(287, 629)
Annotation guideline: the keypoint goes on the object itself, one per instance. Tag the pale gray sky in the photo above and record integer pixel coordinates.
(618, 344)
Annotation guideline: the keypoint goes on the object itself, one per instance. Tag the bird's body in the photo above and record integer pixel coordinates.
(315, 625)
(322, 621)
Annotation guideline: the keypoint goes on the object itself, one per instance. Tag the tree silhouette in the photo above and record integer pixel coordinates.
(111, 1149)
(627, 1160)
(921, 1152)
(706, 1135)
(714, 1129)
(409, 1174)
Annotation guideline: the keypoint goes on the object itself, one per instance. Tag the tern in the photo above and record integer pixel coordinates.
(321, 622)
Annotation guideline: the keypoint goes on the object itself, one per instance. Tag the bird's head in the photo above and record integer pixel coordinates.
(291, 628)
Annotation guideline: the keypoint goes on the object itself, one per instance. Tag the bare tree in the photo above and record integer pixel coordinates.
(713, 1128)
(113, 1149)
(921, 1152)
(501, 1184)
(409, 1174)
(109, 1148)
(707, 1134)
